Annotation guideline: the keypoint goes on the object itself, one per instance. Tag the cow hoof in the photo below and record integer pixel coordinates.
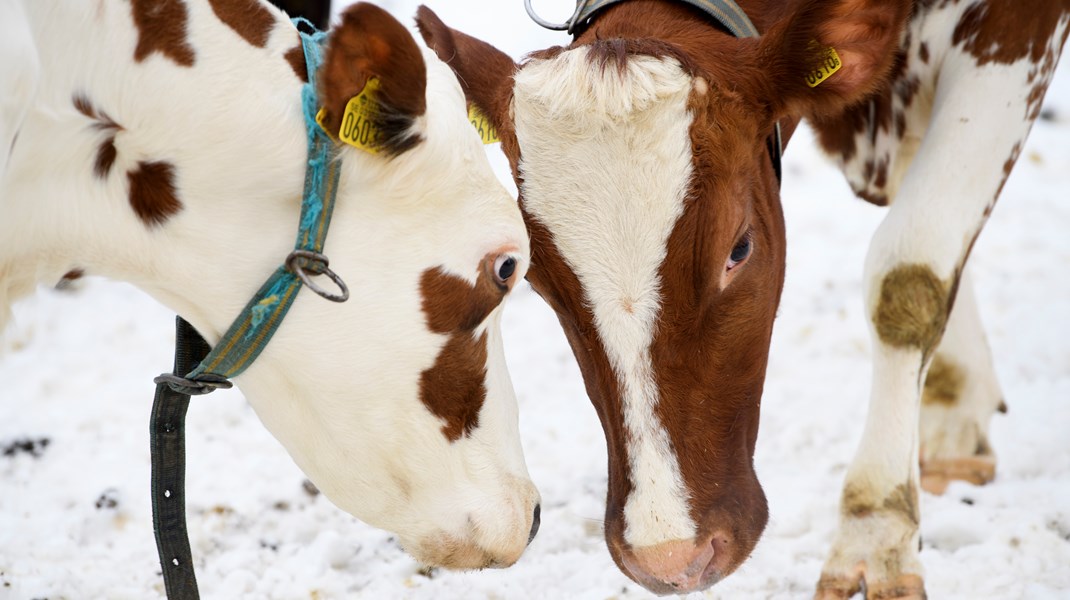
(904, 587)
(936, 474)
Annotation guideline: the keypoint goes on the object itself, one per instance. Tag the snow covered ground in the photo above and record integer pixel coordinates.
(76, 369)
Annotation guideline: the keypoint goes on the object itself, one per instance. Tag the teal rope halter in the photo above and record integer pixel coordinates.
(256, 324)
(241, 344)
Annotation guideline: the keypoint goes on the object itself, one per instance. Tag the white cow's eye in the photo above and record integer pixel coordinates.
(504, 268)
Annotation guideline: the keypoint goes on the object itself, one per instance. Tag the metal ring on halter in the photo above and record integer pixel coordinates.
(566, 26)
(206, 384)
(303, 262)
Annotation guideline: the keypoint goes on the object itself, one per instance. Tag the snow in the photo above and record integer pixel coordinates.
(76, 369)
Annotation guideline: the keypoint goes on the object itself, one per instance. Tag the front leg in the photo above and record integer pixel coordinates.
(981, 115)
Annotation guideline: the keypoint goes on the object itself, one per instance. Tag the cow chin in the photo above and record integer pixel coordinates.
(479, 533)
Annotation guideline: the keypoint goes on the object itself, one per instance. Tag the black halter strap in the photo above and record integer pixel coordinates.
(167, 438)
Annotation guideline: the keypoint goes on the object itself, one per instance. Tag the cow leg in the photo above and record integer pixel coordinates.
(960, 395)
(981, 114)
(18, 75)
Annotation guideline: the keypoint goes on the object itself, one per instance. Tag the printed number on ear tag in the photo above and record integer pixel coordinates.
(487, 132)
(358, 125)
(829, 65)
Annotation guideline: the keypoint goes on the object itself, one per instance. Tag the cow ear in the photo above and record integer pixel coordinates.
(801, 71)
(369, 43)
(485, 73)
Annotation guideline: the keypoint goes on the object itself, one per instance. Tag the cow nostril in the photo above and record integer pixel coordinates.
(535, 523)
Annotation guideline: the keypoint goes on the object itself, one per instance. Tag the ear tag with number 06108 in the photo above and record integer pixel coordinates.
(829, 65)
(487, 133)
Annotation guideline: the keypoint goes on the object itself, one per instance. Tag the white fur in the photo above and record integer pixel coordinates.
(606, 166)
(338, 385)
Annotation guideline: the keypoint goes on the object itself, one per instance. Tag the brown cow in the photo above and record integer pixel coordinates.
(641, 155)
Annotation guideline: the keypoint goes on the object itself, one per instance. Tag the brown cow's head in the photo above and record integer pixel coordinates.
(641, 156)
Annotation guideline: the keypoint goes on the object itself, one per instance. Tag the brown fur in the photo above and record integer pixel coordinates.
(161, 27)
(861, 502)
(153, 195)
(106, 151)
(367, 43)
(454, 389)
(912, 308)
(248, 18)
(943, 383)
(1002, 32)
(296, 58)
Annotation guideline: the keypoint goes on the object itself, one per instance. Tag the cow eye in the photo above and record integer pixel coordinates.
(740, 252)
(504, 267)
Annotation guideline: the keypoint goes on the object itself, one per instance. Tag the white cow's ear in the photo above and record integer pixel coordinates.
(827, 55)
(485, 72)
(368, 43)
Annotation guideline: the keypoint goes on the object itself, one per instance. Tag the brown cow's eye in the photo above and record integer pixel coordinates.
(740, 252)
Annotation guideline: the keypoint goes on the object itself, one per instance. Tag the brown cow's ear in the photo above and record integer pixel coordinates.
(369, 43)
(485, 73)
(795, 60)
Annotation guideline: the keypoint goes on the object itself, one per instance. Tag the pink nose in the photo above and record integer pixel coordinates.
(677, 567)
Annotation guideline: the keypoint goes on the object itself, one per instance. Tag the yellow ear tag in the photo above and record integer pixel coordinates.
(830, 65)
(358, 127)
(487, 132)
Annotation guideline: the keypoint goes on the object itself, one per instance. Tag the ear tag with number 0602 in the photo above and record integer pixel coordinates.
(358, 126)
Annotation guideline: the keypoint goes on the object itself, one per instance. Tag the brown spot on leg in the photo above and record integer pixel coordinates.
(859, 501)
(248, 18)
(944, 382)
(912, 308)
(161, 27)
(152, 192)
(904, 500)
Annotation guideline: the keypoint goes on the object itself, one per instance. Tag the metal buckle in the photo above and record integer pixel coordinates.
(303, 262)
(566, 26)
(193, 387)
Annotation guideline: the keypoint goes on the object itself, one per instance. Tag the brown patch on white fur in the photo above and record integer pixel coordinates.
(296, 58)
(161, 27)
(367, 43)
(106, 152)
(248, 18)
(454, 388)
(1006, 32)
(152, 192)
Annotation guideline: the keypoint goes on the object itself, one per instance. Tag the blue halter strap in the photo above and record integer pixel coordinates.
(261, 317)
(206, 371)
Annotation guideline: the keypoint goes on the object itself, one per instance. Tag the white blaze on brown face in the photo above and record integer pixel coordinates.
(610, 222)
